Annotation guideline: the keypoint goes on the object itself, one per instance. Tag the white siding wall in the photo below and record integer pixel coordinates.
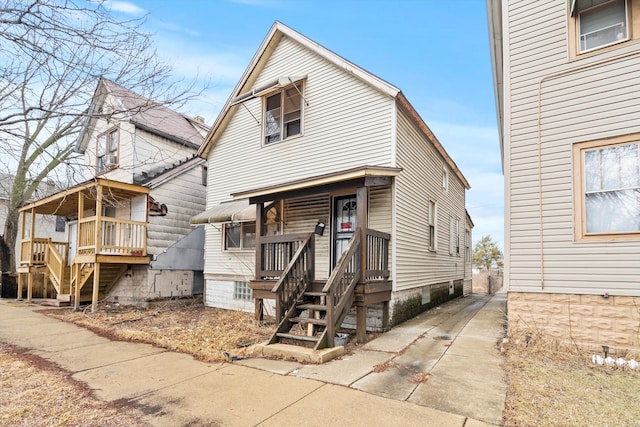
(420, 181)
(184, 196)
(579, 101)
(139, 151)
(345, 124)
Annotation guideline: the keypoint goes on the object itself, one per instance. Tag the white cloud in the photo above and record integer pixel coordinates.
(125, 7)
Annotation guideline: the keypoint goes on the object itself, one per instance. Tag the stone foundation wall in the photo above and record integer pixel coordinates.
(590, 321)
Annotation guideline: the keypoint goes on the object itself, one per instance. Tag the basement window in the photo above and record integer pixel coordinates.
(242, 291)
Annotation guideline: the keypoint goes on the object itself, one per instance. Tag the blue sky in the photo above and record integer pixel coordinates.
(436, 52)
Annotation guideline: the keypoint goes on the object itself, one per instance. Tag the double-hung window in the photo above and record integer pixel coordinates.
(283, 114)
(609, 189)
(239, 236)
(107, 150)
(602, 23)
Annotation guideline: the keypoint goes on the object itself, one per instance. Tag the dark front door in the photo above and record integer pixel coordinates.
(344, 224)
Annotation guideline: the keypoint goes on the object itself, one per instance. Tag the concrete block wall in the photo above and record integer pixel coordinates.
(140, 285)
(589, 321)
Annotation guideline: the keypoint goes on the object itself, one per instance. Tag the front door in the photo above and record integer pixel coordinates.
(344, 224)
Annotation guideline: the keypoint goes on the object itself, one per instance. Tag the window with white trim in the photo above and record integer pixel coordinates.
(467, 245)
(107, 150)
(283, 114)
(242, 291)
(432, 225)
(608, 189)
(601, 23)
(239, 236)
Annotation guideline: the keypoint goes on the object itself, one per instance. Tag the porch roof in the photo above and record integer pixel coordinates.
(65, 203)
(235, 210)
(363, 175)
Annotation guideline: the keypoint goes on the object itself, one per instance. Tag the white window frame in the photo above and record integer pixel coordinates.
(594, 9)
(296, 89)
(242, 244)
(580, 190)
(109, 158)
(445, 179)
(432, 225)
(467, 245)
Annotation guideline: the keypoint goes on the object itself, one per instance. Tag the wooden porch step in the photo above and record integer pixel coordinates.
(315, 294)
(319, 307)
(321, 322)
(297, 337)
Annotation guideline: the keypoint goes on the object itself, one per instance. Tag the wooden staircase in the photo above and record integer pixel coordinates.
(309, 315)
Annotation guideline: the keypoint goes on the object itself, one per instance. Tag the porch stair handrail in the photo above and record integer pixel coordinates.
(340, 289)
(293, 283)
(56, 262)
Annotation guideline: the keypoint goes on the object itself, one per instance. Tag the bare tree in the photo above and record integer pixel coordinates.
(52, 54)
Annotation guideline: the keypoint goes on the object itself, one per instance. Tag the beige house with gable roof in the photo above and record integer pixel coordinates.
(567, 76)
(331, 194)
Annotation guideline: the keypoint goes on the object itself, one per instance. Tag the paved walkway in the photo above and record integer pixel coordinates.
(442, 368)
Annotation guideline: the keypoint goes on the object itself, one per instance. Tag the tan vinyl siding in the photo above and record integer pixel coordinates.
(589, 98)
(419, 182)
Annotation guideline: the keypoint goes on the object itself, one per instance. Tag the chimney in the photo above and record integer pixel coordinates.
(199, 119)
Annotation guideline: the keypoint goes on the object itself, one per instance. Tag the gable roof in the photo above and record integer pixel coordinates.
(145, 114)
(275, 34)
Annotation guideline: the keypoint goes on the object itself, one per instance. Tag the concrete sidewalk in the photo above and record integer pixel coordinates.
(442, 368)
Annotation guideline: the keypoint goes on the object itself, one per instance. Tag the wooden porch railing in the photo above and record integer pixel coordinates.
(276, 252)
(118, 237)
(377, 255)
(295, 278)
(35, 252)
(56, 262)
(340, 287)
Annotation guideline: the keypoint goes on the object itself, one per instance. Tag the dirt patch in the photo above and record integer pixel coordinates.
(210, 335)
(36, 392)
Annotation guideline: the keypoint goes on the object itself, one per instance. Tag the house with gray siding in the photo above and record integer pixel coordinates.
(567, 76)
(128, 233)
(332, 198)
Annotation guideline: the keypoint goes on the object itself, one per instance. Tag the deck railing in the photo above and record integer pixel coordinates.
(276, 252)
(35, 252)
(377, 255)
(118, 237)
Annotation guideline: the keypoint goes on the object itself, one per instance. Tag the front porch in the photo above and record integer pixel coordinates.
(99, 248)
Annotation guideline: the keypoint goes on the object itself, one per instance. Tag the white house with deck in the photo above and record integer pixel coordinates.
(128, 231)
(331, 194)
(567, 76)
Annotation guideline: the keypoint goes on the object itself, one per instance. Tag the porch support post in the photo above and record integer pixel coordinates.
(259, 302)
(96, 287)
(76, 296)
(30, 285)
(23, 232)
(98, 228)
(20, 281)
(362, 207)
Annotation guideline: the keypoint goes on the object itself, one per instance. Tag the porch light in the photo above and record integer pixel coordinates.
(320, 228)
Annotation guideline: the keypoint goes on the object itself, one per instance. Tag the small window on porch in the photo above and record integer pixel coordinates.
(273, 219)
(60, 224)
(239, 236)
(242, 291)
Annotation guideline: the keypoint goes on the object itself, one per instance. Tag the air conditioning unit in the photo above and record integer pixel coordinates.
(111, 161)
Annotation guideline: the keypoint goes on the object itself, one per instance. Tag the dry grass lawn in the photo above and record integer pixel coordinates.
(555, 386)
(35, 392)
(180, 325)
